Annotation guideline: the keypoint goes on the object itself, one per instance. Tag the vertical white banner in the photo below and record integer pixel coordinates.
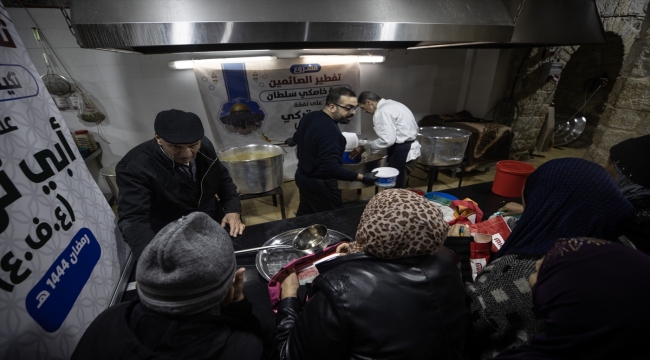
(58, 255)
(269, 95)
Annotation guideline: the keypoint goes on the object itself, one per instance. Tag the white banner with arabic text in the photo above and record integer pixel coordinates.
(273, 96)
(58, 254)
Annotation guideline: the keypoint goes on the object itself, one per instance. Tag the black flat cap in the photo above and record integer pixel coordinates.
(178, 127)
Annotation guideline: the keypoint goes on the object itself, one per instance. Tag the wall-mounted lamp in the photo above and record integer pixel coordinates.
(189, 64)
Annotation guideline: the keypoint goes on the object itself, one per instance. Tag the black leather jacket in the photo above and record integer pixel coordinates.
(367, 308)
(152, 186)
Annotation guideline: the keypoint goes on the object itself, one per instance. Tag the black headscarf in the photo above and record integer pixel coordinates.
(593, 297)
(567, 197)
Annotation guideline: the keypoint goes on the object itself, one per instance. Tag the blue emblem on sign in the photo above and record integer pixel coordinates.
(50, 301)
(304, 68)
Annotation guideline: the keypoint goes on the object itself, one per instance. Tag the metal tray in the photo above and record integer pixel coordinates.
(270, 261)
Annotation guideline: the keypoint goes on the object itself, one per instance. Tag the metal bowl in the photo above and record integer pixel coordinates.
(254, 168)
(270, 261)
(312, 237)
(568, 131)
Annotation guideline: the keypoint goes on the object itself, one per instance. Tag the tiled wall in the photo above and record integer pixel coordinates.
(133, 88)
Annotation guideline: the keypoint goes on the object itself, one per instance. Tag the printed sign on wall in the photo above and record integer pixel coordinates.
(271, 96)
(58, 254)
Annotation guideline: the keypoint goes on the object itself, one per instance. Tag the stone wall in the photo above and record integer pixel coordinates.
(628, 105)
(622, 18)
(587, 80)
(532, 95)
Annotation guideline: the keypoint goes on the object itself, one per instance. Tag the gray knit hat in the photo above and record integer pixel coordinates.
(187, 267)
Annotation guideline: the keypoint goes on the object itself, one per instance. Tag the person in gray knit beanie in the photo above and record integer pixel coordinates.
(187, 268)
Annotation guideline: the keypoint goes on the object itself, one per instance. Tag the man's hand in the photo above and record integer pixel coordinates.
(290, 285)
(236, 226)
(511, 209)
(357, 151)
(290, 142)
(369, 178)
(236, 289)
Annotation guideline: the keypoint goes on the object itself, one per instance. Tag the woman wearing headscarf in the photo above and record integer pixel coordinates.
(396, 295)
(567, 197)
(593, 301)
(630, 166)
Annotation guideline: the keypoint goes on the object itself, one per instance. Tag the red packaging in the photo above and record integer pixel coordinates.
(479, 256)
(496, 228)
(417, 191)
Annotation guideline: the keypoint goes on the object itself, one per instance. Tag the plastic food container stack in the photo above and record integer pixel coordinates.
(386, 176)
(352, 141)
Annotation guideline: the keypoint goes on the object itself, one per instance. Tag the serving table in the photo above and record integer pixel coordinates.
(343, 220)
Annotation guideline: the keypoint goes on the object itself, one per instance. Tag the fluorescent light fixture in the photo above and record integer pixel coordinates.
(346, 58)
(448, 45)
(119, 51)
(189, 64)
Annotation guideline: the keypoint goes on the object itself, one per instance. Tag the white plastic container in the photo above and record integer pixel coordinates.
(73, 100)
(351, 139)
(61, 102)
(386, 176)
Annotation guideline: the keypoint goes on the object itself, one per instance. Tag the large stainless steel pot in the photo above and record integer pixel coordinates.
(366, 165)
(254, 168)
(442, 146)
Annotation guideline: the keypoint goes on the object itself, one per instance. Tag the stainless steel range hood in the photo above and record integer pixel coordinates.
(169, 26)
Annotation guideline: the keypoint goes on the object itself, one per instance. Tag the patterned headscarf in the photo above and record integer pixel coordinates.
(592, 297)
(567, 197)
(398, 223)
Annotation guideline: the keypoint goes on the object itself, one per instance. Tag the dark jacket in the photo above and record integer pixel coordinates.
(367, 308)
(320, 148)
(152, 186)
(130, 331)
(637, 229)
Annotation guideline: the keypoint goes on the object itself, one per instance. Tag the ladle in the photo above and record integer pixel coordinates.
(276, 246)
(309, 239)
(266, 138)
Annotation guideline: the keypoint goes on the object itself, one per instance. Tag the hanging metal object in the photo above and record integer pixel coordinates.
(56, 84)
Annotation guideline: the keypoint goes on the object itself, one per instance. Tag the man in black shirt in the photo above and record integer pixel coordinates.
(172, 175)
(320, 154)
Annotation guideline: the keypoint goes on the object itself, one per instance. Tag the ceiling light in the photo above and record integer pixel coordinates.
(346, 58)
(189, 64)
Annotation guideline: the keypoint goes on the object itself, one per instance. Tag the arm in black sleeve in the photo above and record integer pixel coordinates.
(319, 332)
(134, 201)
(227, 191)
(329, 157)
(243, 311)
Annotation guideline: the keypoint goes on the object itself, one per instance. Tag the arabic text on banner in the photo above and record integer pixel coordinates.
(58, 254)
(269, 95)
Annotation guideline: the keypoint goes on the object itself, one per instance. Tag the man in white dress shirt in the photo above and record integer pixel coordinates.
(397, 129)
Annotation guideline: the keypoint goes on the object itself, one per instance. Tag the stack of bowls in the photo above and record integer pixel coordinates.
(352, 141)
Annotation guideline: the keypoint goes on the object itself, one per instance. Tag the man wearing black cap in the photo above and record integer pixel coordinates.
(170, 176)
